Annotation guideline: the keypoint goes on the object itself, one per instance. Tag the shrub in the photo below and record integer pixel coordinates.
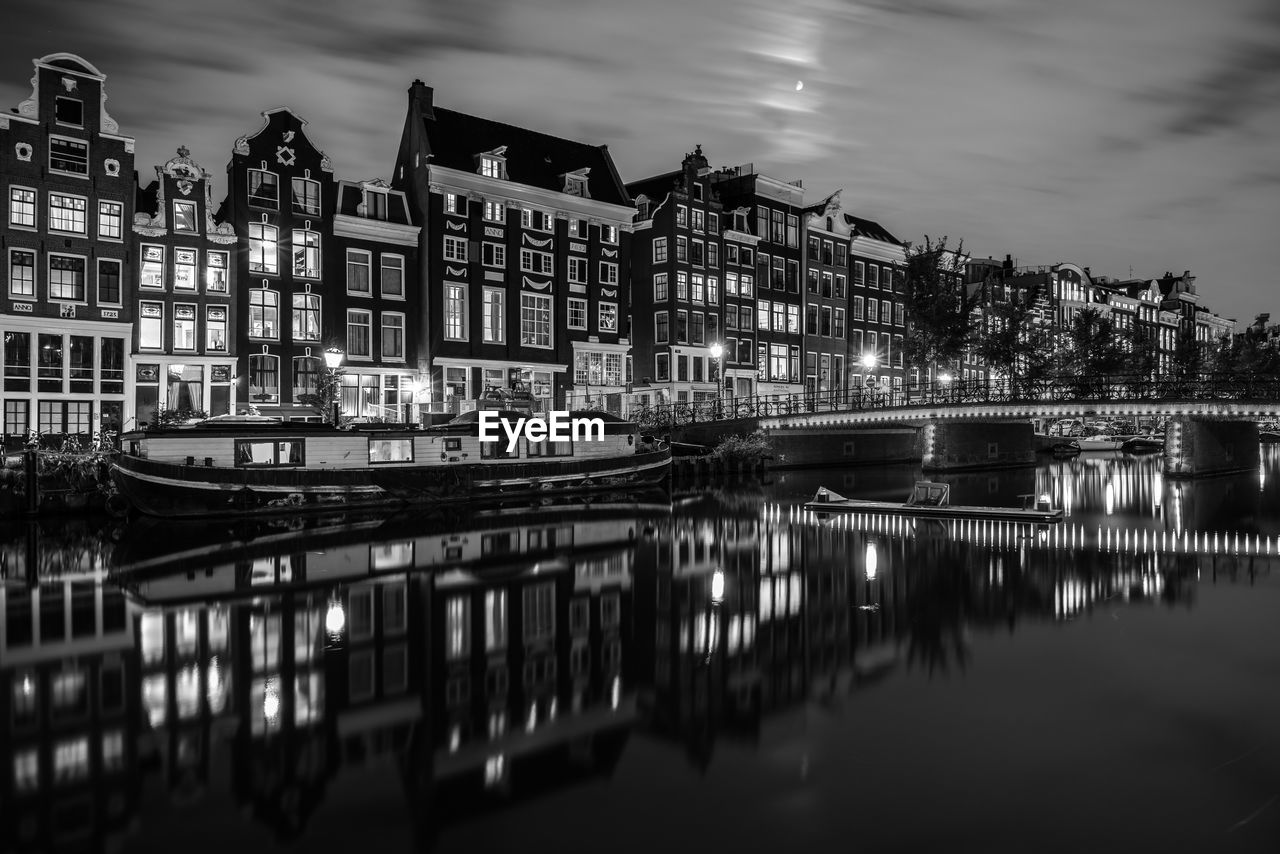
(752, 448)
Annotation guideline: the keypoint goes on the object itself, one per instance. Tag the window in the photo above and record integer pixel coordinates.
(744, 285)
(698, 293)
(697, 328)
(359, 333)
(263, 240)
(455, 312)
(814, 247)
(699, 219)
(494, 319)
(493, 255)
(455, 249)
(899, 314)
(306, 196)
(578, 271)
(184, 327)
(68, 111)
(306, 376)
(873, 276)
(577, 313)
(66, 278)
(358, 263)
(660, 287)
(264, 189)
(495, 212)
(215, 273)
(306, 254)
(778, 233)
(857, 308)
(110, 220)
(682, 327)
(532, 261)
(713, 255)
(682, 249)
(455, 204)
(841, 289)
(535, 320)
(886, 311)
(659, 250)
(662, 367)
(609, 234)
(793, 276)
(184, 216)
(608, 273)
(812, 277)
(256, 452)
(793, 319)
(215, 329)
(67, 213)
(731, 319)
(746, 321)
(390, 450)
(661, 328)
(69, 156)
(108, 281)
(22, 207)
(713, 290)
(793, 231)
(682, 286)
(682, 216)
(859, 270)
(184, 269)
(530, 218)
(374, 204)
(608, 319)
(842, 256)
(22, 273)
(264, 378)
(151, 326)
(838, 330)
(826, 320)
(762, 313)
(264, 313)
(697, 256)
(493, 167)
(731, 253)
(780, 317)
(392, 335)
(873, 310)
(306, 317)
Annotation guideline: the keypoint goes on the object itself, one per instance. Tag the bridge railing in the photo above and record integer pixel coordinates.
(1058, 389)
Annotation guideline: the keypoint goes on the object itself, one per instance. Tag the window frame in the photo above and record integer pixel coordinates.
(368, 326)
(84, 277)
(50, 207)
(382, 335)
(35, 208)
(35, 277)
(195, 216)
(368, 267)
(160, 324)
(251, 199)
(119, 216)
(581, 304)
(486, 316)
(195, 327)
(464, 320)
(119, 300)
(74, 142)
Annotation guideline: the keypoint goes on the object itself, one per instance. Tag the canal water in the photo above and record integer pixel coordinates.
(713, 670)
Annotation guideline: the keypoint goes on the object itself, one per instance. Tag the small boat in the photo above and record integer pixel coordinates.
(932, 500)
(1056, 445)
(1143, 445)
(237, 465)
(1100, 442)
(1269, 437)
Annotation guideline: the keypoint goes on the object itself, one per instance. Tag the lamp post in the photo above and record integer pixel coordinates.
(717, 353)
(868, 364)
(333, 360)
(945, 378)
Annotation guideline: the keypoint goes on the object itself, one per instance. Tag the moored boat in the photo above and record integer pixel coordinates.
(933, 501)
(241, 465)
(1143, 445)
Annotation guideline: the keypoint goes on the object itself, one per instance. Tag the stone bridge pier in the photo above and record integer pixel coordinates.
(1196, 446)
(959, 445)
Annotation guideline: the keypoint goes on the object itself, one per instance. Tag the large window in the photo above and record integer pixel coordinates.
(184, 269)
(264, 313)
(68, 213)
(263, 248)
(495, 212)
(532, 261)
(306, 376)
(306, 197)
(455, 249)
(660, 291)
(306, 254)
(69, 156)
(110, 220)
(22, 273)
(184, 216)
(661, 328)
(608, 319)
(359, 333)
(659, 250)
(264, 378)
(151, 326)
(494, 320)
(215, 329)
(264, 189)
(493, 255)
(184, 327)
(578, 270)
(392, 335)
(17, 361)
(358, 271)
(22, 207)
(608, 273)
(255, 452)
(535, 320)
(66, 278)
(215, 275)
(577, 313)
(393, 276)
(306, 317)
(455, 312)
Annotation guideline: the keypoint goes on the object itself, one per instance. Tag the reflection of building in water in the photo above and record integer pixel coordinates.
(68, 713)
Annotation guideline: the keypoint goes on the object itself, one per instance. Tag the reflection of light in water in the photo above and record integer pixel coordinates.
(271, 704)
(533, 717)
(1109, 498)
(495, 768)
(335, 619)
(455, 738)
(871, 561)
(615, 693)
(717, 586)
(1157, 488)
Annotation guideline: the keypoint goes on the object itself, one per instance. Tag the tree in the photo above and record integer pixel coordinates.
(1188, 357)
(1013, 342)
(328, 392)
(1091, 355)
(938, 306)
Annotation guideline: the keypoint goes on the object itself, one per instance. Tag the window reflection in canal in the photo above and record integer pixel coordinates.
(468, 664)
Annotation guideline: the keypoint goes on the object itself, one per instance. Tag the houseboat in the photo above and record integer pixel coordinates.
(235, 465)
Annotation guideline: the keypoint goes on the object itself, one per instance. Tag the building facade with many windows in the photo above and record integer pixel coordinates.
(66, 173)
(524, 253)
(184, 342)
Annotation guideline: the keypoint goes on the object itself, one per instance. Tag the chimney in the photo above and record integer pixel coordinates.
(1008, 263)
(421, 94)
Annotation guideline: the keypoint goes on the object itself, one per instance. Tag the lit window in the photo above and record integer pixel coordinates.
(495, 212)
(67, 213)
(492, 167)
(494, 320)
(110, 220)
(608, 320)
(660, 250)
(608, 234)
(264, 378)
(22, 273)
(215, 330)
(264, 313)
(455, 312)
(22, 207)
(184, 269)
(306, 317)
(184, 327)
(255, 452)
(306, 254)
(577, 313)
(215, 274)
(535, 320)
(151, 326)
(455, 204)
(263, 241)
(66, 278)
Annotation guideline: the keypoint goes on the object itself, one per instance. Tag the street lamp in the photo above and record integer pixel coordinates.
(869, 364)
(333, 361)
(717, 353)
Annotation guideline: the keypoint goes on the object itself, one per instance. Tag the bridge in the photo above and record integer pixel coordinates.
(1212, 420)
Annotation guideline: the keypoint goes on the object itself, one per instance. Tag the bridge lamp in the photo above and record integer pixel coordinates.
(869, 360)
(716, 351)
(944, 378)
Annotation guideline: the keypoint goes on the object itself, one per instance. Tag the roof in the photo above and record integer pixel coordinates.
(533, 158)
(870, 229)
(655, 188)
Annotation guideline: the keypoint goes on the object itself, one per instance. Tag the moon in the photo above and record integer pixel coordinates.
(799, 85)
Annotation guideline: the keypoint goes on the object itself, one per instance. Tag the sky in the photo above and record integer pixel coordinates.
(1133, 137)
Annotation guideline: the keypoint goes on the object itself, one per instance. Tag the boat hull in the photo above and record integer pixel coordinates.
(189, 491)
(891, 508)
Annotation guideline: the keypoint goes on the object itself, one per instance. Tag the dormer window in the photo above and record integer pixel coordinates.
(642, 206)
(493, 164)
(374, 205)
(575, 183)
(68, 111)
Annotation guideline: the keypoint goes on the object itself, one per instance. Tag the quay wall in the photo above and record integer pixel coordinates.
(959, 445)
(1197, 446)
